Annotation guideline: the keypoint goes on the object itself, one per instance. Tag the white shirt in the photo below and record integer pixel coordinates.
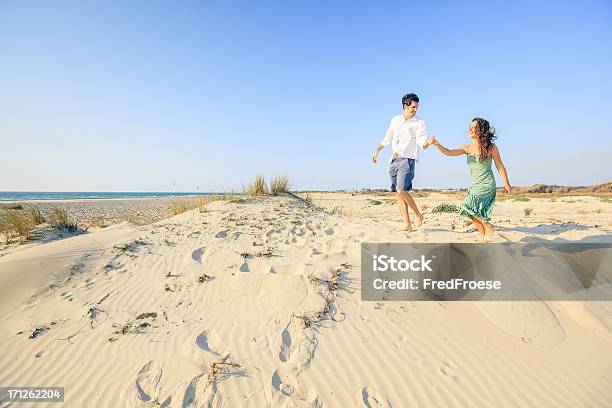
(406, 136)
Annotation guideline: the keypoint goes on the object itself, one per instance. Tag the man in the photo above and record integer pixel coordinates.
(406, 133)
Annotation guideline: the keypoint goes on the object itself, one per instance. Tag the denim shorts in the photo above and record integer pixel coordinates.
(401, 171)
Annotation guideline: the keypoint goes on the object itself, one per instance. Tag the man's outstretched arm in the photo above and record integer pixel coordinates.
(386, 140)
(375, 155)
(422, 136)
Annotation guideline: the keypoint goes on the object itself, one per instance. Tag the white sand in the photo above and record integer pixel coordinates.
(90, 290)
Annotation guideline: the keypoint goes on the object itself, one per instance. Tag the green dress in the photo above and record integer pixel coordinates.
(481, 194)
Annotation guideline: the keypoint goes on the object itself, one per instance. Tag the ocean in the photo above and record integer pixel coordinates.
(87, 195)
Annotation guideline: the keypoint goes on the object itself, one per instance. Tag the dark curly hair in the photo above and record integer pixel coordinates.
(486, 136)
(408, 99)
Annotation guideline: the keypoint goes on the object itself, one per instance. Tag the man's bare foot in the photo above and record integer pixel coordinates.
(406, 228)
(419, 220)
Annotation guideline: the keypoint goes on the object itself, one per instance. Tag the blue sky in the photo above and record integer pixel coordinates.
(167, 96)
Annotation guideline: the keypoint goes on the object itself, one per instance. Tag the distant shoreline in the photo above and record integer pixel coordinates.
(604, 189)
(46, 196)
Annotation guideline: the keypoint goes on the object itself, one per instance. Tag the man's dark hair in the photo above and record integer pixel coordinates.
(409, 98)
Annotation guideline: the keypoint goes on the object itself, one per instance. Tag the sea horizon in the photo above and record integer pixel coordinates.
(91, 195)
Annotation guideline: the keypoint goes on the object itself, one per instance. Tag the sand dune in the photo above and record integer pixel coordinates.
(258, 304)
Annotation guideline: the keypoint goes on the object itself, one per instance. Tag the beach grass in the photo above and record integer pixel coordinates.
(98, 221)
(373, 202)
(133, 218)
(229, 196)
(10, 206)
(178, 207)
(257, 188)
(36, 215)
(5, 228)
(200, 203)
(308, 199)
(61, 220)
(16, 223)
(279, 184)
(527, 211)
(521, 199)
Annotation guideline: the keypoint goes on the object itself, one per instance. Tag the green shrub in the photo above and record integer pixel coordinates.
(374, 202)
(527, 211)
(445, 208)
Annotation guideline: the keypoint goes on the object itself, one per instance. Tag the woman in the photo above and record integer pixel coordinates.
(481, 194)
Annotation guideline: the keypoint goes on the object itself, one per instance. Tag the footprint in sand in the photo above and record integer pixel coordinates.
(67, 296)
(207, 341)
(289, 391)
(222, 234)
(285, 348)
(197, 393)
(370, 398)
(89, 283)
(197, 254)
(449, 369)
(194, 234)
(146, 385)
(211, 342)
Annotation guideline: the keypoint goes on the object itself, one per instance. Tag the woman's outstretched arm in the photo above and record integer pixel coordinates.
(454, 152)
(501, 168)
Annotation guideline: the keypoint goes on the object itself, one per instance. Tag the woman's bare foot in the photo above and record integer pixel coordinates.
(488, 229)
(406, 228)
(419, 220)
